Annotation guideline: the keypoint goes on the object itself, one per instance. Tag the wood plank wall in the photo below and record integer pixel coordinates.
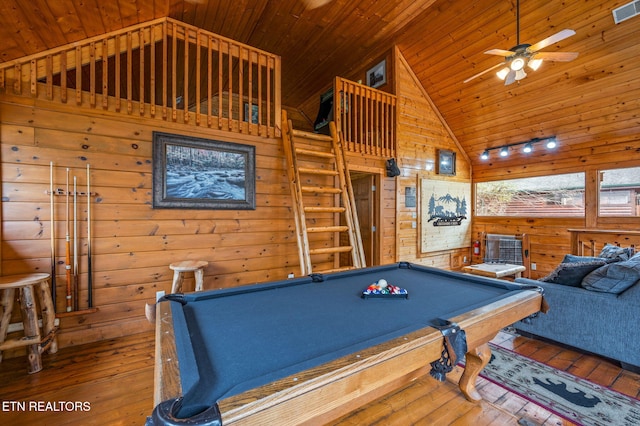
(133, 244)
(420, 134)
(550, 237)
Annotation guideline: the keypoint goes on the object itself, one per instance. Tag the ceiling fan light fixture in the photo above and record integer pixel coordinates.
(517, 64)
(534, 64)
(502, 74)
(520, 74)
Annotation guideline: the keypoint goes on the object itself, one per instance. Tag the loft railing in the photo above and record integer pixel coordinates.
(164, 69)
(366, 117)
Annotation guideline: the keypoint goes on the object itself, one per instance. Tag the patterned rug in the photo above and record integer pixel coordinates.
(568, 396)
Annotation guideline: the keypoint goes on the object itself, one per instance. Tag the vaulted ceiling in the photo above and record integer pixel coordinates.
(592, 100)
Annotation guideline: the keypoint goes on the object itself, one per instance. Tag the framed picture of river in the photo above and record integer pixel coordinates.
(195, 173)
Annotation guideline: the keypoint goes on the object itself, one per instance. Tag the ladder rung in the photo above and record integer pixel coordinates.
(328, 229)
(313, 136)
(310, 152)
(324, 209)
(317, 171)
(339, 249)
(321, 189)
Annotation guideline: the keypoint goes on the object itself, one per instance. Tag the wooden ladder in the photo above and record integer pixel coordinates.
(323, 201)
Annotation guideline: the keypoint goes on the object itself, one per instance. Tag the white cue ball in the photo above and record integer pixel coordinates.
(382, 283)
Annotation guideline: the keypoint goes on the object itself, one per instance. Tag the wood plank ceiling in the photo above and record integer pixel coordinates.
(593, 100)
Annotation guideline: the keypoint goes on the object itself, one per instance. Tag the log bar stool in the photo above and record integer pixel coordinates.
(35, 342)
(195, 266)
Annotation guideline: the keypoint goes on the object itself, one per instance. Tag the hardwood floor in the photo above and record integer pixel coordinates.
(111, 383)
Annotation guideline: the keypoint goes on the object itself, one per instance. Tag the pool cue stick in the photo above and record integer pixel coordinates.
(68, 250)
(53, 237)
(75, 244)
(89, 271)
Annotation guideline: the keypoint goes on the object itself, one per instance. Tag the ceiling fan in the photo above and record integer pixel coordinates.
(520, 55)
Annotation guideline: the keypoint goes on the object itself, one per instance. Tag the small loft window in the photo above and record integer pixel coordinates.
(619, 192)
(543, 196)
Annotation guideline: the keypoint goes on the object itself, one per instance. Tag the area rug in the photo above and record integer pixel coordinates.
(564, 394)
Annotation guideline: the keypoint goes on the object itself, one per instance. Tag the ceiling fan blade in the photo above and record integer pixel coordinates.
(483, 72)
(499, 52)
(551, 40)
(510, 78)
(557, 56)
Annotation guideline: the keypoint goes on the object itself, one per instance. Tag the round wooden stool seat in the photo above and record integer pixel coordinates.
(35, 341)
(179, 268)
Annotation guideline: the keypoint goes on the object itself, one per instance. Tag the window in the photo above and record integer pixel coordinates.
(620, 192)
(543, 196)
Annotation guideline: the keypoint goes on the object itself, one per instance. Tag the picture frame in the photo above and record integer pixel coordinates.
(377, 75)
(446, 164)
(197, 173)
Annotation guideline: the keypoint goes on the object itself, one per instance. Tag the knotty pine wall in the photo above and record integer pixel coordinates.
(420, 133)
(549, 237)
(133, 244)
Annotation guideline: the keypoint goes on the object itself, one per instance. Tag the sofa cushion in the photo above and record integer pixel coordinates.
(571, 274)
(616, 253)
(614, 277)
(572, 258)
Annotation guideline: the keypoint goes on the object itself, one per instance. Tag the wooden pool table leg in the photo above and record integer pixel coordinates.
(476, 359)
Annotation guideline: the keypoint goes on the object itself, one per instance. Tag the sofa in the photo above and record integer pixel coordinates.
(594, 305)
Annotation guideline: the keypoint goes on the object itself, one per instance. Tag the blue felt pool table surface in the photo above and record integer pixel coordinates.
(233, 340)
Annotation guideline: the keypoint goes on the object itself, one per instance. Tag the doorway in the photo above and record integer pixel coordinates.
(366, 190)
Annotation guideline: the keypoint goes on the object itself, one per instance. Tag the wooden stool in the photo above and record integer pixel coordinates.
(195, 266)
(35, 342)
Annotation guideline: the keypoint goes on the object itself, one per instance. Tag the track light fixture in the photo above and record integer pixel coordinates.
(527, 147)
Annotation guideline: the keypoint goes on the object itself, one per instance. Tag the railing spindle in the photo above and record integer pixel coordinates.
(165, 60)
(230, 90)
(209, 79)
(92, 75)
(141, 71)
(198, 61)
(174, 73)
(240, 92)
(63, 77)
(268, 99)
(250, 90)
(118, 73)
(152, 72)
(78, 75)
(105, 74)
(49, 71)
(220, 75)
(33, 77)
(185, 75)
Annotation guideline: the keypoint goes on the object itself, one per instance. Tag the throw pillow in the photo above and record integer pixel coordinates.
(616, 253)
(571, 274)
(572, 258)
(614, 277)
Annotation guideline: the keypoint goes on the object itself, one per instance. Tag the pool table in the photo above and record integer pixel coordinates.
(312, 349)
